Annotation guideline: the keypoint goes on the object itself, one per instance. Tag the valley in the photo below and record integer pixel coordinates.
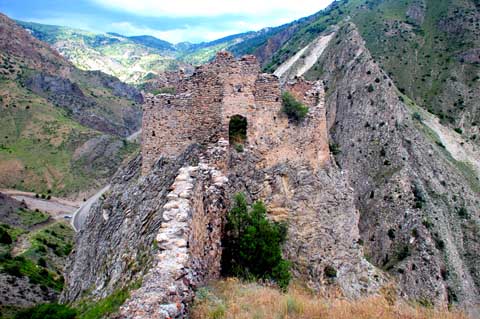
(325, 167)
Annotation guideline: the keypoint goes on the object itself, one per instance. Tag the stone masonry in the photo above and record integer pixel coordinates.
(201, 109)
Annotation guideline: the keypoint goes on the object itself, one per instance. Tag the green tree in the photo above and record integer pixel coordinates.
(252, 244)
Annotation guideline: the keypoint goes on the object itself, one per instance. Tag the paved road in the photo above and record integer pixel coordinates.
(80, 215)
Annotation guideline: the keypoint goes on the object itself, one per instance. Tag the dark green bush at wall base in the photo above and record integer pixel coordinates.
(252, 244)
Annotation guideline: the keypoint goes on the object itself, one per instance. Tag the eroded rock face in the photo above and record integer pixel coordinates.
(67, 94)
(412, 195)
(165, 229)
(318, 207)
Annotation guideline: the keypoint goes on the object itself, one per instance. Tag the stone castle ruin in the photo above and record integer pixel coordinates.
(166, 227)
(229, 91)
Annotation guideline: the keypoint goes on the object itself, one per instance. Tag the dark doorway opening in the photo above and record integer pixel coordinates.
(237, 130)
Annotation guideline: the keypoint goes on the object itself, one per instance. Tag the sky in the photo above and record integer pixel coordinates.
(172, 20)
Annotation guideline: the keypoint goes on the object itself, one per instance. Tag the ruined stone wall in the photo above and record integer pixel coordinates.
(207, 100)
(172, 122)
(189, 240)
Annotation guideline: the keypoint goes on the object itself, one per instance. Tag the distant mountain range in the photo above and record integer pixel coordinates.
(131, 59)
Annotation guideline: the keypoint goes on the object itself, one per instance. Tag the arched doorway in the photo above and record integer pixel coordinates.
(237, 130)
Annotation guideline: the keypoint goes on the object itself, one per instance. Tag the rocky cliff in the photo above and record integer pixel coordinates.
(419, 208)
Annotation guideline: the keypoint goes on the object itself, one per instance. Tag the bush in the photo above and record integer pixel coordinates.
(330, 272)
(294, 109)
(417, 117)
(334, 148)
(5, 237)
(164, 90)
(252, 244)
(47, 311)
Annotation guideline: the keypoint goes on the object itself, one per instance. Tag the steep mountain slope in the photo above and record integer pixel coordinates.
(419, 209)
(136, 59)
(128, 58)
(400, 202)
(429, 48)
(62, 128)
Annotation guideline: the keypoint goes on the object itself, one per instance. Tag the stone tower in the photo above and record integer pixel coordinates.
(201, 109)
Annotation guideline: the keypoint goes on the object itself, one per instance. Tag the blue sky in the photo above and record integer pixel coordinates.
(171, 20)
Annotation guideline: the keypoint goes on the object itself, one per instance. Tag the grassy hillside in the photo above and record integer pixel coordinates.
(33, 251)
(130, 59)
(43, 101)
(40, 145)
(429, 48)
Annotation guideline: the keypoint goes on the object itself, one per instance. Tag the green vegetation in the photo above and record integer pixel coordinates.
(253, 244)
(83, 310)
(47, 311)
(164, 90)
(37, 144)
(402, 251)
(42, 262)
(334, 148)
(20, 266)
(104, 307)
(5, 237)
(330, 272)
(295, 110)
(239, 148)
(30, 218)
(57, 238)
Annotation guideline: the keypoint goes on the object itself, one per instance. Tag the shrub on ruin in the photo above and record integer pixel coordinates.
(294, 109)
(252, 244)
(164, 90)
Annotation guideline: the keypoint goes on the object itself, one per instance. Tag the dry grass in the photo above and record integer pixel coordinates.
(232, 299)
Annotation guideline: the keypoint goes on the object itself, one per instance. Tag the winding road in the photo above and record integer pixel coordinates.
(80, 215)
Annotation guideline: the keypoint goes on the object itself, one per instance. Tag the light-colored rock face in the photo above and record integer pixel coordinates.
(318, 207)
(303, 61)
(206, 101)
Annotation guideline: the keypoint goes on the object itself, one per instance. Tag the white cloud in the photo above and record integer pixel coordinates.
(198, 8)
(188, 33)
